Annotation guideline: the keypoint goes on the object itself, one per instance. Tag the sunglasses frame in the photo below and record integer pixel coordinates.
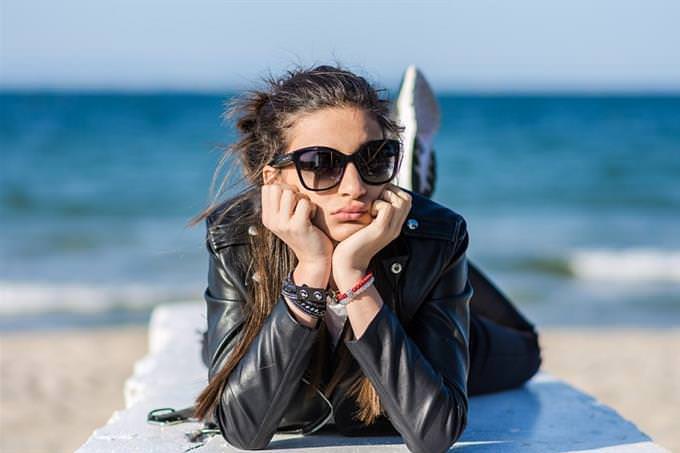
(293, 157)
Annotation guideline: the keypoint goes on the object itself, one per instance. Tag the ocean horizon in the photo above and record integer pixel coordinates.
(572, 202)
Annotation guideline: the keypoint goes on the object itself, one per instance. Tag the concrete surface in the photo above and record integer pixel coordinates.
(545, 415)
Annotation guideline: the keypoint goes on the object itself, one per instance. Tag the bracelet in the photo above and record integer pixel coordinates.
(310, 300)
(362, 285)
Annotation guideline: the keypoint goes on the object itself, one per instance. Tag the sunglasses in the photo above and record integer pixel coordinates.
(322, 167)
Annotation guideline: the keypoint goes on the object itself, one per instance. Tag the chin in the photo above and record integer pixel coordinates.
(343, 230)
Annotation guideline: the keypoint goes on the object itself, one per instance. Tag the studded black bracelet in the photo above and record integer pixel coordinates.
(310, 300)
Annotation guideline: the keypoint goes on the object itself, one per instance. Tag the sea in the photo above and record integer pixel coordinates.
(572, 202)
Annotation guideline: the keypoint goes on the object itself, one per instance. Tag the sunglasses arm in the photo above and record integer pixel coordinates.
(281, 160)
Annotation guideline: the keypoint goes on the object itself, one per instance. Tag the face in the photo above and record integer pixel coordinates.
(345, 129)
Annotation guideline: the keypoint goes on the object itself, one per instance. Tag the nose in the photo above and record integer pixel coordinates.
(351, 183)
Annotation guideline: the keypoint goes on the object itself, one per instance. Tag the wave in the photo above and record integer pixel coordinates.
(27, 298)
(628, 265)
(632, 265)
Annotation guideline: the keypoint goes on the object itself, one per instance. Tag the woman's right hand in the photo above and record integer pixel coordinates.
(288, 213)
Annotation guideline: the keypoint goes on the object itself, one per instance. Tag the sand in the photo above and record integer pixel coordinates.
(635, 371)
(57, 387)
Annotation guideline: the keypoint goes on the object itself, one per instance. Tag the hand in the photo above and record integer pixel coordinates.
(351, 256)
(287, 213)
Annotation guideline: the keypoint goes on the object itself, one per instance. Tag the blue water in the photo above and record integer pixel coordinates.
(573, 203)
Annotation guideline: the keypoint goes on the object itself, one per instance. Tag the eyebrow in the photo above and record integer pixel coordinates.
(330, 147)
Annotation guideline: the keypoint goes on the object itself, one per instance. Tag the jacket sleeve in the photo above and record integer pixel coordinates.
(260, 387)
(421, 375)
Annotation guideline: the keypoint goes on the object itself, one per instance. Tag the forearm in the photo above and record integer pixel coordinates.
(364, 307)
(428, 411)
(260, 387)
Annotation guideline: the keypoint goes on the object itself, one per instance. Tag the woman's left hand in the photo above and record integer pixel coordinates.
(351, 256)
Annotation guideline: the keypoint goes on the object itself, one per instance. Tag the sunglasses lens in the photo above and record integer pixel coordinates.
(378, 160)
(320, 169)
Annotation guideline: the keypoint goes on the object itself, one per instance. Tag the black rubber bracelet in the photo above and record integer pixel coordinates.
(305, 306)
(315, 296)
(310, 300)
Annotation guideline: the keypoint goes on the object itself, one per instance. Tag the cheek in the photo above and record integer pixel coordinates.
(375, 191)
(290, 177)
(323, 212)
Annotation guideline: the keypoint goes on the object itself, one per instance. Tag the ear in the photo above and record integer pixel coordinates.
(271, 175)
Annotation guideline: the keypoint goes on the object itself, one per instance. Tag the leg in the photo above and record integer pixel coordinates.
(500, 357)
(504, 348)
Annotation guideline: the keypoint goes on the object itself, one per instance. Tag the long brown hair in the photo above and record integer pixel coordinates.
(262, 118)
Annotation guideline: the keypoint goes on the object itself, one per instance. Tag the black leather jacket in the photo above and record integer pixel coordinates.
(415, 350)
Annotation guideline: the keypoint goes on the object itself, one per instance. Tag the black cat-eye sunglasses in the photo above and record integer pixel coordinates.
(322, 167)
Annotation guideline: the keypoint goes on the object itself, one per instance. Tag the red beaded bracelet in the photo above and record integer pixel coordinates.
(343, 298)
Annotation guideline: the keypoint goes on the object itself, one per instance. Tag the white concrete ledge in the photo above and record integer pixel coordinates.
(545, 415)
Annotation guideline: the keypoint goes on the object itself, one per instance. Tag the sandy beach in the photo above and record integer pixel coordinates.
(56, 387)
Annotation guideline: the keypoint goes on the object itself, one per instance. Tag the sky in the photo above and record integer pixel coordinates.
(200, 45)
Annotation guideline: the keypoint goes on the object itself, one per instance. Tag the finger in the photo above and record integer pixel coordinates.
(400, 192)
(270, 200)
(383, 211)
(313, 206)
(388, 195)
(276, 192)
(289, 186)
(271, 193)
(303, 211)
(402, 206)
(288, 202)
(264, 200)
(374, 207)
(399, 208)
(394, 199)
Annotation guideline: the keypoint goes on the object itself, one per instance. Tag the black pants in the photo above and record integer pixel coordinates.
(504, 348)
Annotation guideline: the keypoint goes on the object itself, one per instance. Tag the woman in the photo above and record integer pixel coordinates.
(335, 296)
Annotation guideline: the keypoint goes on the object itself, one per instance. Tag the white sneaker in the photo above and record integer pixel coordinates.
(416, 109)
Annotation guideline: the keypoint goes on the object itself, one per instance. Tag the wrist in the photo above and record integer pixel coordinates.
(300, 316)
(362, 283)
(314, 274)
(322, 261)
(346, 278)
(305, 298)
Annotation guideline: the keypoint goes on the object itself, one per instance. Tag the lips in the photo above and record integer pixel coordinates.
(351, 210)
(342, 215)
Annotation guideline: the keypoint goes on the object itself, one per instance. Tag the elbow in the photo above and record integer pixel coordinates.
(245, 445)
(244, 439)
(240, 443)
(459, 414)
(462, 424)
(443, 442)
(452, 428)
(237, 429)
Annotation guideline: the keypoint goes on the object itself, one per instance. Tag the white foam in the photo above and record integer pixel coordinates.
(626, 265)
(40, 297)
